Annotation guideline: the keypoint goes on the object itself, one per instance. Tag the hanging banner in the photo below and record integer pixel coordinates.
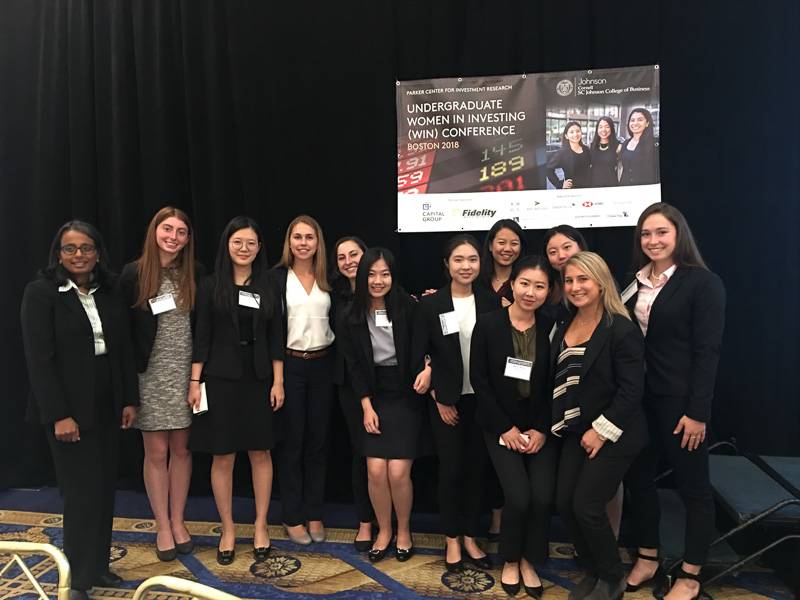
(578, 147)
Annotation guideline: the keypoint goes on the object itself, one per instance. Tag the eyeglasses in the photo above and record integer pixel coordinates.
(84, 248)
(250, 245)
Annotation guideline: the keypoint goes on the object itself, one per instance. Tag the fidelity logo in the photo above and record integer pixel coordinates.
(457, 212)
(564, 87)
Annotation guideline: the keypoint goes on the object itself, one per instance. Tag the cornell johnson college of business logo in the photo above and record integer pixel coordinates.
(564, 87)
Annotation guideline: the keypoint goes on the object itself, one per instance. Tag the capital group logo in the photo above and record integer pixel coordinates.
(564, 87)
(426, 206)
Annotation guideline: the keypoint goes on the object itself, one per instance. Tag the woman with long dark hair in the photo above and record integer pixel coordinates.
(302, 281)
(603, 150)
(160, 289)
(509, 374)
(573, 158)
(504, 244)
(345, 256)
(680, 307)
(442, 330)
(377, 346)
(638, 154)
(597, 367)
(238, 357)
(83, 390)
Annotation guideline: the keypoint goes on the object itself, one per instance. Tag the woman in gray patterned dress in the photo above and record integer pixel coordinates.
(160, 289)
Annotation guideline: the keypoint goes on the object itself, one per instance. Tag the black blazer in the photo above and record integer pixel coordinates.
(499, 406)
(279, 275)
(612, 379)
(340, 304)
(216, 339)
(639, 166)
(684, 335)
(59, 350)
(447, 369)
(357, 348)
(144, 323)
(565, 158)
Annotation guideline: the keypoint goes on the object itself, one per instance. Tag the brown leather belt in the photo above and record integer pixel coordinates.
(308, 355)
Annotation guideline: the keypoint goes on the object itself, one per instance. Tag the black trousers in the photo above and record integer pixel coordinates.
(462, 465)
(691, 475)
(585, 485)
(302, 457)
(529, 482)
(87, 472)
(354, 417)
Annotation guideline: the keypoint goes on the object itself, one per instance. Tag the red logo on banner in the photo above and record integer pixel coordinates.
(587, 204)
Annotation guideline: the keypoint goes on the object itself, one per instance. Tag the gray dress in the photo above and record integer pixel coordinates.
(164, 386)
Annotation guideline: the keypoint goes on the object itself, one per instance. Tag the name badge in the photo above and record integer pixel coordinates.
(382, 319)
(449, 322)
(518, 369)
(630, 291)
(162, 303)
(249, 300)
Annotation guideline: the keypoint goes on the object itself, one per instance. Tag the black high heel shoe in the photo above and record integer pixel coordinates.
(535, 591)
(657, 577)
(454, 567)
(510, 588)
(681, 574)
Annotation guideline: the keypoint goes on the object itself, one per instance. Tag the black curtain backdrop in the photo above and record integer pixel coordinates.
(110, 110)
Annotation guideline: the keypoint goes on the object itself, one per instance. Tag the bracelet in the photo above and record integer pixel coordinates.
(197, 380)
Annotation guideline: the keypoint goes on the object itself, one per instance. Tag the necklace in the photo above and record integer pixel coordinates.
(592, 320)
(603, 147)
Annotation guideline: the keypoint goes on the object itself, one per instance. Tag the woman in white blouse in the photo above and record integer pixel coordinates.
(301, 280)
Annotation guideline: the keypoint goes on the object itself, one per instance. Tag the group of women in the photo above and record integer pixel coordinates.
(607, 161)
(533, 364)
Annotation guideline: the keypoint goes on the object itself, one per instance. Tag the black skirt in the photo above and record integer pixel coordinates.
(239, 417)
(400, 419)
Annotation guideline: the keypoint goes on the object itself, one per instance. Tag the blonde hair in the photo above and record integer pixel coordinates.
(597, 270)
(319, 261)
(150, 270)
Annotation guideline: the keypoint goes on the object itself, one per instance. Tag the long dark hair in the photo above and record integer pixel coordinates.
(487, 261)
(225, 294)
(453, 243)
(647, 134)
(613, 142)
(686, 253)
(565, 141)
(534, 261)
(55, 271)
(396, 299)
(339, 283)
(556, 290)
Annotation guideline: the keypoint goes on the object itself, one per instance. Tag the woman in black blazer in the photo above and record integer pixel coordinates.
(160, 290)
(509, 372)
(238, 355)
(639, 153)
(680, 306)
(597, 362)
(573, 158)
(301, 279)
(442, 330)
(377, 346)
(345, 256)
(83, 389)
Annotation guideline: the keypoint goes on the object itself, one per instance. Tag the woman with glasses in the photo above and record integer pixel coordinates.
(238, 356)
(83, 390)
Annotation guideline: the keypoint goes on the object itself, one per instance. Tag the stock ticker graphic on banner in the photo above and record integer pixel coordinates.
(577, 147)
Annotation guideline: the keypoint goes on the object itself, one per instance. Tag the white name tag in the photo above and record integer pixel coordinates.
(630, 291)
(518, 368)
(162, 303)
(249, 300)
(449, 322)
(382, 319)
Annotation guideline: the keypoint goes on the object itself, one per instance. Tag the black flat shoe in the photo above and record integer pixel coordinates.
(261, 554)
(455, 567)
(484, 562)
(185, 547)
(403, 554)
(167, 555)
(225, 557)
(109, 580)
(362, 545)
(510, 588)
(535, 592)
(376, 554)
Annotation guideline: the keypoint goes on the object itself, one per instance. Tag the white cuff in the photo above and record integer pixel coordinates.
(606, 428)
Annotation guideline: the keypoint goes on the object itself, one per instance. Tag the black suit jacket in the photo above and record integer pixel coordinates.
(339, 307)
(565, 158)
(279, 275)
(143, 322)
(59, 350)
(216, 339)
(612, 379)
(357, 348)
(447, 369)
(499, 405)
(684, 335)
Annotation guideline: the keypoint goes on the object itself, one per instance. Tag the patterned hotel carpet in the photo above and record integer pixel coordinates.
(333, 570)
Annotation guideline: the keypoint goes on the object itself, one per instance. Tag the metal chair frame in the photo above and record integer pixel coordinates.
(64, 572)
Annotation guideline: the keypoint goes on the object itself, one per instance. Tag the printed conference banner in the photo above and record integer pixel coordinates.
(578, 147)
